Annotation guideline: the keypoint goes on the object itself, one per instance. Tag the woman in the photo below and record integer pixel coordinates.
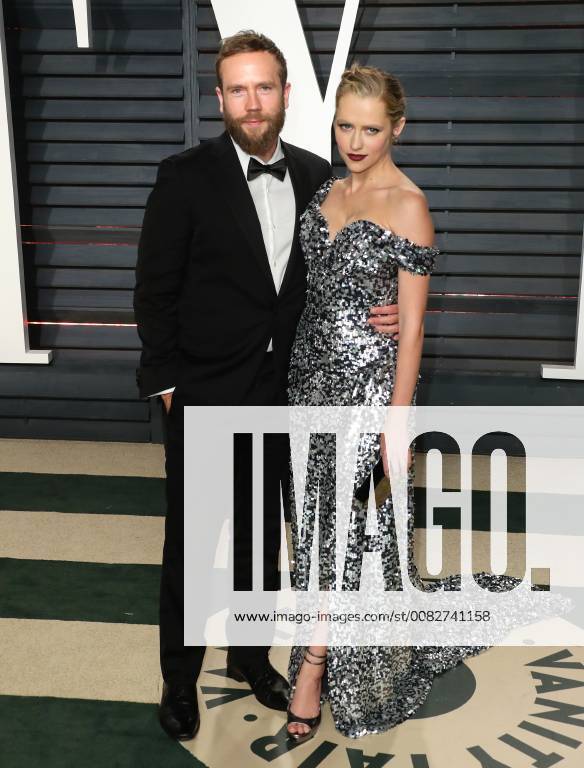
(366, 238)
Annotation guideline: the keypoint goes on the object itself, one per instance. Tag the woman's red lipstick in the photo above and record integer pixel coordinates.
(356, 158)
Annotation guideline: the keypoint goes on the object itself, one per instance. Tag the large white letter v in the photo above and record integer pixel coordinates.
(308, 120)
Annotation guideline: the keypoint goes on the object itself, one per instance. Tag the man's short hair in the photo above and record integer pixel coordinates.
(248, 41)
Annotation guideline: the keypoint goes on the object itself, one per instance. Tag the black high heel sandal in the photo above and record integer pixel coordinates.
(311, 722)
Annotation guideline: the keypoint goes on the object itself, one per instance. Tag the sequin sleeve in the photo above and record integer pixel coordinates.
(418, 259)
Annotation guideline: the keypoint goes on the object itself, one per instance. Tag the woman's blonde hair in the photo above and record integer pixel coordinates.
(361, 80)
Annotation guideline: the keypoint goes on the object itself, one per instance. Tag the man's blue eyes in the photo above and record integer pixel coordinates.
(262, 88)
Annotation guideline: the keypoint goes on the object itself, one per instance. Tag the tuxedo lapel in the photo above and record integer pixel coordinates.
(232, 188)
(302, 195)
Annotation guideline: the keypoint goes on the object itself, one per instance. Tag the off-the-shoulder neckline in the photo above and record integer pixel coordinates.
(325, 189)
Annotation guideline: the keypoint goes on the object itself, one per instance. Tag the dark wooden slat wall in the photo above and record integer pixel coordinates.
(495, 137)
(92, 125)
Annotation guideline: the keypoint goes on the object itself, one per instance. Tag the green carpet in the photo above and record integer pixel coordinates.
(74, 733)
(50, 732)
(82, 493)
(46, 589)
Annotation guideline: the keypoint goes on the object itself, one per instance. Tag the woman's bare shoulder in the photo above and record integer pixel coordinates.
(410, 213)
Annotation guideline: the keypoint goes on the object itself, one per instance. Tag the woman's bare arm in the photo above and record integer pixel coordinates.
(415, 223)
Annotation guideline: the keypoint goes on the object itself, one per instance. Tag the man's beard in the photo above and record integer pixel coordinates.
(264, 141)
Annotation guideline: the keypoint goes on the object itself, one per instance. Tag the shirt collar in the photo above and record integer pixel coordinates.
(244, 157)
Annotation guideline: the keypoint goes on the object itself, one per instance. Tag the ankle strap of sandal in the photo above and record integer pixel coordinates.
(316, 656)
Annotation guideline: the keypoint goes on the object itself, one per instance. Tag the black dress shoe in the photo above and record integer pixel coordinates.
(268, 685)
(179, 711)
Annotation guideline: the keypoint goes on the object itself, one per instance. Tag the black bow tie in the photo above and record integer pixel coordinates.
(277, 169)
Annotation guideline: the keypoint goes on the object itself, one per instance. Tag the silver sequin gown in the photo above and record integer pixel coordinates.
(339, 359)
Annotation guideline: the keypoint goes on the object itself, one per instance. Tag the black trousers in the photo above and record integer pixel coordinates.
(177, 662)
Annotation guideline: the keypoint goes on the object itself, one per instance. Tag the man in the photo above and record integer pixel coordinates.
(219, 291)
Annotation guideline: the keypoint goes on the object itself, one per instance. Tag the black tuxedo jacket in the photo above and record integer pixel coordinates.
(205, 302)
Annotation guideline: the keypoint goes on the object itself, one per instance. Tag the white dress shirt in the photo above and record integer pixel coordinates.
(276, 209)
(275, 205)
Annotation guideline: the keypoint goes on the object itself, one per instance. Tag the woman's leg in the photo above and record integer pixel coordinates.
(308, 663)
(305, 701)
